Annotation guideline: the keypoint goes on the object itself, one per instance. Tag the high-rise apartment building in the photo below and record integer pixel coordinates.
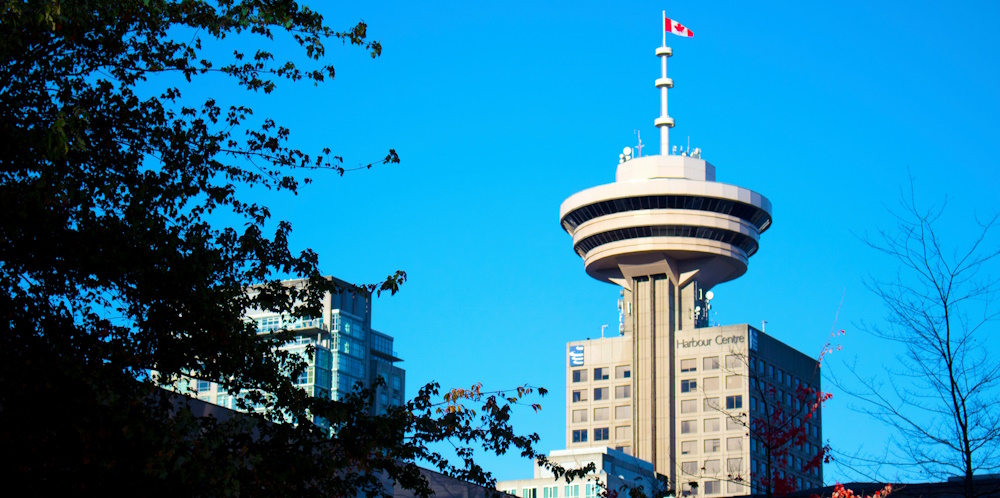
(347, 351)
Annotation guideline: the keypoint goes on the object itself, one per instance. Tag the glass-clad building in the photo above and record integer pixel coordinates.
(347, 352)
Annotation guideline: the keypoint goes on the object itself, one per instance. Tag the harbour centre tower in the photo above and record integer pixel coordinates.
(669, 389)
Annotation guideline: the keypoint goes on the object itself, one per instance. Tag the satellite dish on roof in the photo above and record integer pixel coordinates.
(627, 151)
(710, 295)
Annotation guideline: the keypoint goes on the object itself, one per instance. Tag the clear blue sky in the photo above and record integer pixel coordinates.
(499, 113)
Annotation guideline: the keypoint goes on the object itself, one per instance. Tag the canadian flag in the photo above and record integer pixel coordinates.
(676, 28)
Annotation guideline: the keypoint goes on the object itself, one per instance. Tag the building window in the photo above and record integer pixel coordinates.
(734, 444)
(580, 436)
(204, 386)
(579, 416)
(689, 385)
(689, 426)
(733, 362)
(688, 447)
(711, 405)
(579, 376)
(689, 468)
(623, 432)
(572, 491)
(689, 406)
(623, 392)
(734, 402)
(303, 378)
(734, 424)
(770, 371)
(736, 488)
(712, 446)
(579, 396)
(600, 393)
(713, 487)
(601, 373)
(711, 363)
(590, 490)
(601, 434)
(623, 372)
(623, 412)
(711, 384)
(734, 381)
(601, 414)
(713, 467)
(689, 365)
(550, 492)
(711, 425)
(734, 466)
(529, 493)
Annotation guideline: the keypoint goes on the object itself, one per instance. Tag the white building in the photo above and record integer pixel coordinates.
(612, 468)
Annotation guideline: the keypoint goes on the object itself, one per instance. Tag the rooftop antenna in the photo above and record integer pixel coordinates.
(763, 325)
(602, 330)
(638, 148)
(626, 155)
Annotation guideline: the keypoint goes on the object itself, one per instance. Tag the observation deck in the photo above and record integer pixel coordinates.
(666, 208)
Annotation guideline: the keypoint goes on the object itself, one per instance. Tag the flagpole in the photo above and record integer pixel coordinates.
(663, 83)
(663, 26)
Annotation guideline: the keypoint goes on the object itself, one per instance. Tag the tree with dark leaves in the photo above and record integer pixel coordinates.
(114, 266)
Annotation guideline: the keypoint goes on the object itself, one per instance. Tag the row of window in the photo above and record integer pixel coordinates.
(603, 434)
(795, 462)
(603, 413)
(569, 491)
(712, 425)
(603, 373)
(709, 384)
(714, 487)
(744, 242)
(734, 467)
(603, 393)
(799, 482)
(733, 363)
(748, 212)
(733, 445)
(711, 405)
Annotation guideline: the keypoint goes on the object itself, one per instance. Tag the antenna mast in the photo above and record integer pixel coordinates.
(664, 122)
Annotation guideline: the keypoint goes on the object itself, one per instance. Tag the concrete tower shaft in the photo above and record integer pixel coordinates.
(666, 232)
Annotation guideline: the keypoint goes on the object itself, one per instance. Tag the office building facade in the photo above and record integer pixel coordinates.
(727, 383)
